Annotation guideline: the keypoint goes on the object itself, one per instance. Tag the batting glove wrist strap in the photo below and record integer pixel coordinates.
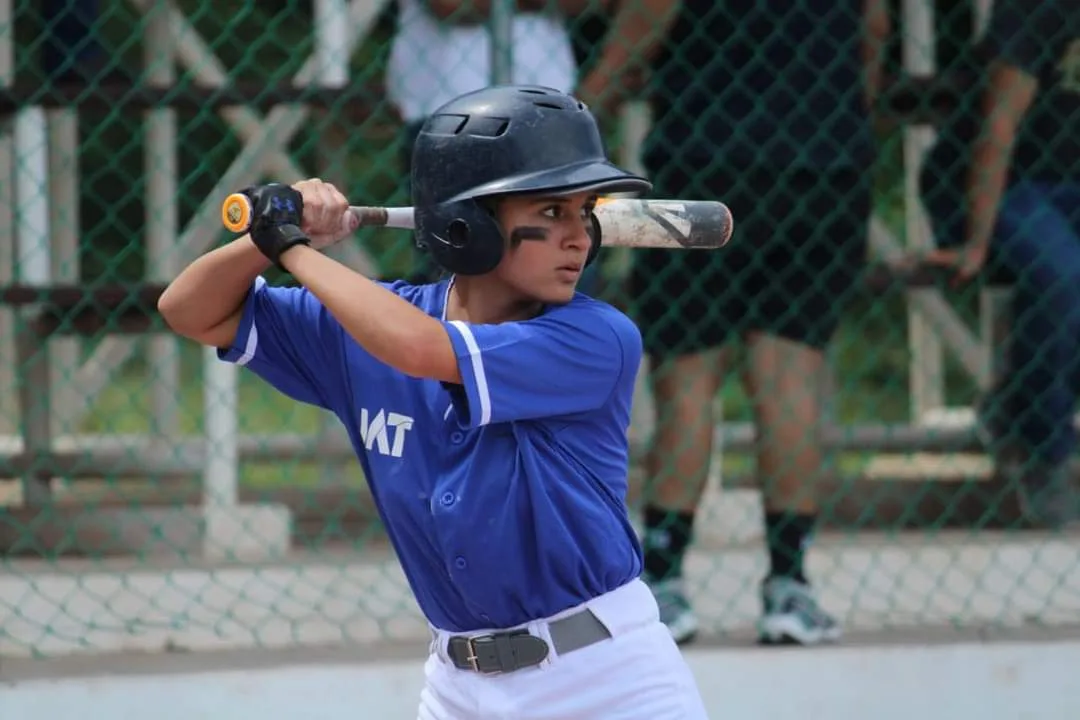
(274, 240)
(275, 219)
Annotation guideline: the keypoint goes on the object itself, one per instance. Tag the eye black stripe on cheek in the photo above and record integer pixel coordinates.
(528, 233)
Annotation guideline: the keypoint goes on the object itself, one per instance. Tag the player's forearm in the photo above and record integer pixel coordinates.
(636, 34)
(877, 26)
(212, 289)
(391, 329)
(1004, 104)
(986, 184)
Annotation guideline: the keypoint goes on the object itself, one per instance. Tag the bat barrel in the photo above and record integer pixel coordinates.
(665, 224)
(711, 225)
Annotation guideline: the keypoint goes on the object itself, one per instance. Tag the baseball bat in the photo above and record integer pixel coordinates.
(624, 222)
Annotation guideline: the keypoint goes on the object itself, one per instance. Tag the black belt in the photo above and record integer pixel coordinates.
(504, 652)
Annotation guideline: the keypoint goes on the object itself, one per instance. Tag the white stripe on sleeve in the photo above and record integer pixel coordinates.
(478, 370)
(249, 347)
(252, 342)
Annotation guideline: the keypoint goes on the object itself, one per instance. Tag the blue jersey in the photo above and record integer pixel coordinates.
(504, 497)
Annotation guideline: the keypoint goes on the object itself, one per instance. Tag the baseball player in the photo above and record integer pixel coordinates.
(488, 410)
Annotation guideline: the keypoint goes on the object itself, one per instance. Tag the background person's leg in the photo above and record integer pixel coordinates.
(1037, 240)
(784, 380)
(812, 261)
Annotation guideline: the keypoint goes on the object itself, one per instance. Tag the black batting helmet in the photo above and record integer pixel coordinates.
(502, 140)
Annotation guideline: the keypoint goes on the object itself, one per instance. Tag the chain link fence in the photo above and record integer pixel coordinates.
(154, 498)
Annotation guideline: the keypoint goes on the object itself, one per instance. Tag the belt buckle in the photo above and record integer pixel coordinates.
(473, 657)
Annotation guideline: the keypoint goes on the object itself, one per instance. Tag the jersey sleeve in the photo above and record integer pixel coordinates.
(289, 339)
(562, 363)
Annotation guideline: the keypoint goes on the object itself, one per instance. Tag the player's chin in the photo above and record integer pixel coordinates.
(562, 288)
(555, 288)
(554, 293)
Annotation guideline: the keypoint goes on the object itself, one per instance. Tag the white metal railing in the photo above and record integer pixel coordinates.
(8, 405)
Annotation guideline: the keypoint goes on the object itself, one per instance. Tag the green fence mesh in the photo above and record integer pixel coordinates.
(118, 525)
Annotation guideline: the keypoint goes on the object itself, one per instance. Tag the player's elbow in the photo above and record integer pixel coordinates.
(179, 315)
(170, 308)
(175, 308)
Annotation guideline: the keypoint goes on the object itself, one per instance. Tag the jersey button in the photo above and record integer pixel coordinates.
(459, 563)
(447, 499)
(457, 437)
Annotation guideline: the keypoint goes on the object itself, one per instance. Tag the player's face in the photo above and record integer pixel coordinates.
(549, 243)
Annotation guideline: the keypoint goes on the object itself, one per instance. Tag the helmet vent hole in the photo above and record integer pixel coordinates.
(458, 233)
(533, 91)
(490, 127)
(446, 124)
(552, 106)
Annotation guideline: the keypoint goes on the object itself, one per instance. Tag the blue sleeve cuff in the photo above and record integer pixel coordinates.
(246, 341)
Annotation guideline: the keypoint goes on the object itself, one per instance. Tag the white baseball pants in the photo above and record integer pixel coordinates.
(637, 674)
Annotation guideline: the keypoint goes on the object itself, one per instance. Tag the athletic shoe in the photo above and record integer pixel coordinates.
(1048, 496)
(675, 610)
(792, 616)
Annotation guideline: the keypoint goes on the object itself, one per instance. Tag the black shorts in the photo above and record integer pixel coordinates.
(797, 252)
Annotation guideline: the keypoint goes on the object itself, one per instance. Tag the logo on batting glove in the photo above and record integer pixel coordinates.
(274, 205)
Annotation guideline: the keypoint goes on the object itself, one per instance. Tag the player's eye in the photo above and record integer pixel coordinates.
(559, 212)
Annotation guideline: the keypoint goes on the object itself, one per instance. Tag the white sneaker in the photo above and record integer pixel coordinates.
(792, 615)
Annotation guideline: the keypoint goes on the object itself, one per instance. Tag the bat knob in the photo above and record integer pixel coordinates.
(236, 213)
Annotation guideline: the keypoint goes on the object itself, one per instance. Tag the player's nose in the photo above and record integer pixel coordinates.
(577, 235)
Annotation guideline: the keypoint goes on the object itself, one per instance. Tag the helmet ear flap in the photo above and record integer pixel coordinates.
(462, 236)
(594, 236)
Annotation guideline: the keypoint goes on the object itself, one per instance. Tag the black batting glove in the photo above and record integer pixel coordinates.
(276, 210)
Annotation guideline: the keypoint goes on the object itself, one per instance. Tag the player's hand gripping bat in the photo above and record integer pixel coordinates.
(631, 223)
